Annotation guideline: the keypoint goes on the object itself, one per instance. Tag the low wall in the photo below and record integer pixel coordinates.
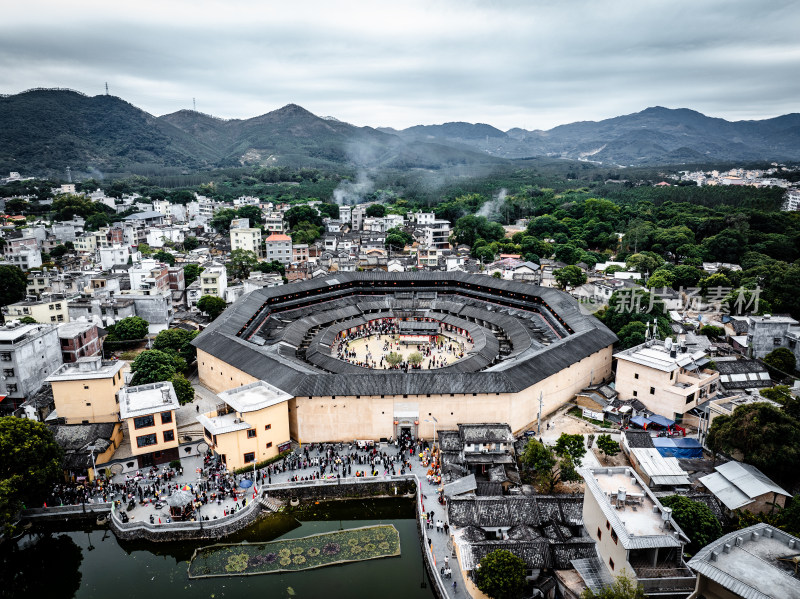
(178, 531)
(63, 512)
(345, 488)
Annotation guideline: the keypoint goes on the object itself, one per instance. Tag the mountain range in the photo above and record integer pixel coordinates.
(44, 131)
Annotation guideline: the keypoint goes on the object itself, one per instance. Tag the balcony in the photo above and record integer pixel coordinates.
(665, 579)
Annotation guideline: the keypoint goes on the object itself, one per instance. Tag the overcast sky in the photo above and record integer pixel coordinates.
(528, 63)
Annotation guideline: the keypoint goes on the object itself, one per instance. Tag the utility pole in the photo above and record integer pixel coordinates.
(194, 105)
(106, 87)
(539, 423)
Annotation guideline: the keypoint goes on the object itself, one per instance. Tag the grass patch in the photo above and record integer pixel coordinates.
(578, 413)
(293, 555)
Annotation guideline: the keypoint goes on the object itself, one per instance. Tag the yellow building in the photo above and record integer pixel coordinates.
(47, 310)
(149, 413)
(668, 378)
(251, 426)
(85, 391)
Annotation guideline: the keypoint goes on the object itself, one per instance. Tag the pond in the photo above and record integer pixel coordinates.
(67, 562)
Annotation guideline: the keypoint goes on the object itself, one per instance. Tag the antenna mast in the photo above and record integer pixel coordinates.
(106, 87)
(194, 105)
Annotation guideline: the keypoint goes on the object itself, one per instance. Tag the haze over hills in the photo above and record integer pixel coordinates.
(44, 131)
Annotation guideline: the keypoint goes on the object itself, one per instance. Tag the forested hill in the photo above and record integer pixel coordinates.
(44, 131)
(653, 136)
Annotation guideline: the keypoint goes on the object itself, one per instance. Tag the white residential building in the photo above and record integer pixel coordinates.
(248, 239)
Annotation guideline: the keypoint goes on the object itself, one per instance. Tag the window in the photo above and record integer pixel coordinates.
(614, 537)
(166, 417)
(12, 388)
(86, 386)
(635, 393)
(251, 433)
(249, 457)
(169, 436)
(144, 422)
(269, 444)
(5, 356)
(777, 341)
(652, 390)
(611, 564)
(636, 375)
(608, 525)
(599, 534)
(146, 440)
(8, 372)
(690, 398)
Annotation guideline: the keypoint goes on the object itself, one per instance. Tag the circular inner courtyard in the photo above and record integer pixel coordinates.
(403, 346)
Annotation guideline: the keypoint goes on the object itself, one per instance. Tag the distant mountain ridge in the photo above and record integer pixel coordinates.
(655, 135)
(44, 131)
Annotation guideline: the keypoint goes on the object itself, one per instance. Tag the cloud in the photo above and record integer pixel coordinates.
(532, 64)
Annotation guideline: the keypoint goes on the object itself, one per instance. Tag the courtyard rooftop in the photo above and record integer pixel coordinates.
(638, 518)
(253, 397)
(147, 399)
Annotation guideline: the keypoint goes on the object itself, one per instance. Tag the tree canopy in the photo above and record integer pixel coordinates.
(191, 272)
(177, 342)
(13, 285)
(623, 587)
(763, 435)
(131, 328)
(782, 361)
(695, 519)
(241, 263)
(501, 575)
(30, 463)
(569, 276)
(152, 366)
(211, 305)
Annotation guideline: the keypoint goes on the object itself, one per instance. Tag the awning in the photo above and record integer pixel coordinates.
(661, 420)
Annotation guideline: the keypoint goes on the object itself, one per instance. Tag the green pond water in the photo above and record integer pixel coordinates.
(63, 561)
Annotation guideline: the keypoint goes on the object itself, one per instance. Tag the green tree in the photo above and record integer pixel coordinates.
(572, 446)
(190, 243)
(95, 221)
(329, 210)
(376, 210)
(152, 366)
(58, 251)
(131, 328)
(164, 257)
(393, 359)
(211, 305)
(298, 214)
(695, 519)
(30, 463)
(242, 262)
(221, 221)
(632, 334)
(569, 276)
(623, 587)
(469, 229)
(763, 435)
(253, 213)
(501, 575)
(415, 358)
(144, 249)
(306, 232)
(28, 320)
(607, 445)
(13, 285)
(709, 330)
(781, 360)
(191, 272)
(183, 389)
(541, 459)
(177, 342)
(273, 266)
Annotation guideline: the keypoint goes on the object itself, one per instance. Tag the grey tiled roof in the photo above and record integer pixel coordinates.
(276, 361)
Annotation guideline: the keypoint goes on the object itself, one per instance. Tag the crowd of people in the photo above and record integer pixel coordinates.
(436, 354)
